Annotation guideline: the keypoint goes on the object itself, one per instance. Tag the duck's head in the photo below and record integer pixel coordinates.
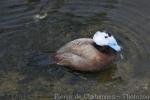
(106, 39)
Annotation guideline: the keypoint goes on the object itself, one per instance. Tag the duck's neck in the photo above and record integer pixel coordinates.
(105, 49)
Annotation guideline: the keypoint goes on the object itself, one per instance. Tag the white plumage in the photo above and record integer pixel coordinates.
(103, 39)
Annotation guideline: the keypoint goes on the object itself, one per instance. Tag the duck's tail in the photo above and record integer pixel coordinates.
(41, 59)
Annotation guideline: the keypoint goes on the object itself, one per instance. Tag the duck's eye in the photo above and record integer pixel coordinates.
(106, 36)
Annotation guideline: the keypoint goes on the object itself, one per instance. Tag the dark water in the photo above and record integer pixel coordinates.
(27, 26)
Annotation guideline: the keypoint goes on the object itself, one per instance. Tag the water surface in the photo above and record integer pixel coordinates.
(27, 26)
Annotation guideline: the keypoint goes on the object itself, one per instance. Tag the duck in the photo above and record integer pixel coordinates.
(87, 54)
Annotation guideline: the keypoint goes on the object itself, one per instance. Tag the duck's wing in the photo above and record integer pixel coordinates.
(73, 45)
(78, 62)
(82, 47)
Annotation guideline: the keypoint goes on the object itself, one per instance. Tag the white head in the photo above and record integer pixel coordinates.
(105, 39)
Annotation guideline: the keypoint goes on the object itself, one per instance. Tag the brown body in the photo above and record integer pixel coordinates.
(82, 55)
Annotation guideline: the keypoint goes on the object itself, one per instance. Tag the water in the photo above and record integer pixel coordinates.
(28, 26)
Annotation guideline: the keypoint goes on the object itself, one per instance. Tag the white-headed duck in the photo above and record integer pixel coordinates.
(86, 54)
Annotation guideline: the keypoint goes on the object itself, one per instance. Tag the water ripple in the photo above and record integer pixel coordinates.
(46, 25)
